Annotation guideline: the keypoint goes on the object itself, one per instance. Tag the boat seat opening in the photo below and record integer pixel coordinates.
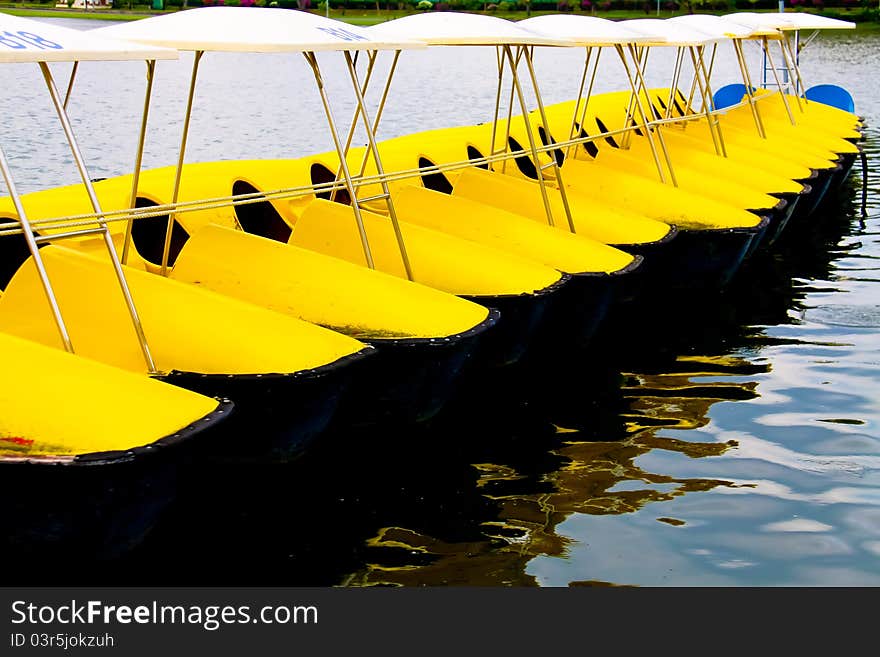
(475, 154)
(636, 128)
(557, 152)
(148, 235)
(678, 107)
(603, 128)
(13, 252)
(321, 175)
(589, 146)
(523, 162)
(259, 217)
(658, 113)
(437, 180)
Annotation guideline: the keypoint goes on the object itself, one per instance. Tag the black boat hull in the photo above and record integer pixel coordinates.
(278, 416)
(99, 505)
(408, 381)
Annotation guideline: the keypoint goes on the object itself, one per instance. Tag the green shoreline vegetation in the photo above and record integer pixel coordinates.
(866, 15)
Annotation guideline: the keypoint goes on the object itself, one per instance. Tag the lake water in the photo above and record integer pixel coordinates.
(731, 442)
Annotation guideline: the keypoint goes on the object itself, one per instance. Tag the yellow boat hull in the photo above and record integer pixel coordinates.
(90, 455)
(283, 372)
(437, 331)
(446, 265)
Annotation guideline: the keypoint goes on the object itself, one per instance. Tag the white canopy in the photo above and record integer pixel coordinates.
(583, 30)
(29, 40)
(790, 21)
(251, 29)
(666, 33)
(722, 27)
(449, 28)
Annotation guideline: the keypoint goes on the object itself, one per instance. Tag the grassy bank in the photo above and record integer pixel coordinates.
(359, 17)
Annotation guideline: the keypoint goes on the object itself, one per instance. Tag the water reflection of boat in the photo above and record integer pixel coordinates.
(524, 507)
(595, 467)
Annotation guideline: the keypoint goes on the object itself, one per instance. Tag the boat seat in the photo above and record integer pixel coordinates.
(833, 95)
(730, 94)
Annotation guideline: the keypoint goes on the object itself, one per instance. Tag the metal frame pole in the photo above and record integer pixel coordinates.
(138, 158)
(67, 95)
(573, 131)
(33, 247)
(708, 104)
(766, 46)
(349, 186)
(646, 122)
(747, 79)
(533, 147)
(791, 59)
(592, 85)
(175, 192)
(353, 125)
(374, 149)
(557, 170)
(108, 239)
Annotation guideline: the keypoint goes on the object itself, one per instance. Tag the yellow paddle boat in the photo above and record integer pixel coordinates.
(519, 288)
(425, 336)
(377, 306)
(283, 373)
(90, 454)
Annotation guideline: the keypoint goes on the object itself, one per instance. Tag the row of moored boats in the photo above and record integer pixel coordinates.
(236, 309)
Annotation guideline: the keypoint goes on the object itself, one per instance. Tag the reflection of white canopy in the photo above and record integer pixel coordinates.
(790, 21)
(28, 40)
(583, 30)
(459, 29)
(666, 33)
(722, 27)
(249, 29)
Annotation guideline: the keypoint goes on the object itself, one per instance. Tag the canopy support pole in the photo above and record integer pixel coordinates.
(506, 144)
(766, 46)
(374, 149)
(573, 131)
(795, 71)
(349, 186)
(747, 79)
(496, 116)
(33, 247)
(591, 87)
(557, 169)
(108, 239)
(693, 90)
(67, 95)
(676, 77)
(646, 122)
(175, 192)
(371, 61)
(138, 159)
(708, 105)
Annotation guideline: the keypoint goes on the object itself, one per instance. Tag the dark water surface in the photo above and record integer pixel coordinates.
(728, 440)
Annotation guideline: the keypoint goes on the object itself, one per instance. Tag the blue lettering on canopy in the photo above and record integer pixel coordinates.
(345, 35)
(21, 40)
